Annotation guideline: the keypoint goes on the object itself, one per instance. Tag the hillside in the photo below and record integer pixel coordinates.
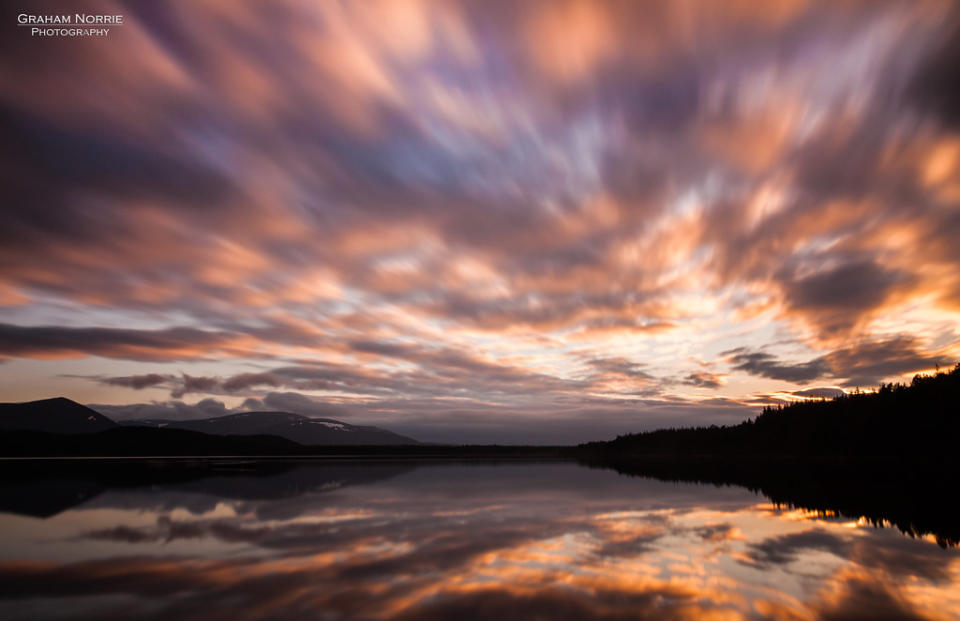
(141, 442)
(58, 415)
(898, 420)
(300, 429)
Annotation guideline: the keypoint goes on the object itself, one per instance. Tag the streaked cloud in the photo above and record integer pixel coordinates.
(766, 365)
(483, 208)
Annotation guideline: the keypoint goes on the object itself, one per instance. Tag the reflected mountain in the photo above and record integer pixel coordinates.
(43, 497)
(46, 488)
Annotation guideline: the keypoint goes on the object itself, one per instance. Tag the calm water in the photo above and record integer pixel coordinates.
(439, 541)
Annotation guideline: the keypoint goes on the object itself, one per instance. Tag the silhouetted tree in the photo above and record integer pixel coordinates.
(897, 420)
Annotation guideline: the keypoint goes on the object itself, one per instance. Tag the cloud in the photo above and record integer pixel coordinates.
(767, 365)
(819, 393)
(702, 379)
(189, 383)
(866, 363)
(128, 344)
(244, 381)
(296, 528)
(170, 410)
(784, 549)
(137, 382)
(934, 86)
(612, 551)
(300, 404)
(619, 366)
(836, 299)
(863, 363)
(861, 597)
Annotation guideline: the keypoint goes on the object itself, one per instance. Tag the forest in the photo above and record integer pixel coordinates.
(919, 419)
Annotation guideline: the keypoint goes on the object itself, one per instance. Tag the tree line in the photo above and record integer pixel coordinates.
(921, 418)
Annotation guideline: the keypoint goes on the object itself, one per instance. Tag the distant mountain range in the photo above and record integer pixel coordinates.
(65, 417)
(300, 429)
(60, 428)
(916, 421)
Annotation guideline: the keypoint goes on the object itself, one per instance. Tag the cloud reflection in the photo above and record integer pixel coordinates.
(554, 540)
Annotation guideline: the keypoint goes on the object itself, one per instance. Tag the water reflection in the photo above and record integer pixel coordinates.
(409, 541)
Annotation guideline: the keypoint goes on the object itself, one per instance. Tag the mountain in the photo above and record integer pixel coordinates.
(58, 415)
(300, 429)
(142, 442)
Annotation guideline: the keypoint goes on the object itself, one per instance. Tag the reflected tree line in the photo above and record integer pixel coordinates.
(889, 456)
(919, 500)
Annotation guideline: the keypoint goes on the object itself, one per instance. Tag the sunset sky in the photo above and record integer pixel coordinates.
(479, 221)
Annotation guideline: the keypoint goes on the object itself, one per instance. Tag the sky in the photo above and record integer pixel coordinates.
(479, 221)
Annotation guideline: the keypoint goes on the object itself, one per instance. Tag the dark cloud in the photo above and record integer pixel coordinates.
(190, 383)
(934, 87)
(122, 534)
(767, 365)
(178, 410)
(716, 532)
(62, 163)
(185, 384)
(882, 552)
(862, 364)
(866, 363)
(668, 603)
(702, 379)
(301, 404)
(904, 557)
(137, 382)
(619, 366)
(244, 381)
(852, 286)
(819, 393)
(147, 345)
(836, 299)
(784, 549)
(866, 598)
(172, 410)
